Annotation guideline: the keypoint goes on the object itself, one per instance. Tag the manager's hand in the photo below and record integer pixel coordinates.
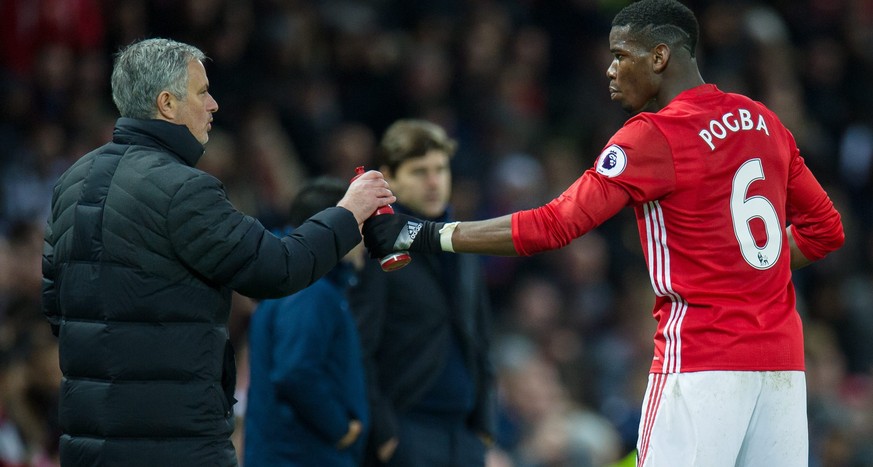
(387, 233)
(367, 193)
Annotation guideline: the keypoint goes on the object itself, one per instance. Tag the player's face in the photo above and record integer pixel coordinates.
(423, 184)
(632, 80)
(196, 109)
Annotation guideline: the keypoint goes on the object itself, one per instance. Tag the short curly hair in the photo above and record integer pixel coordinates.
(660, 21)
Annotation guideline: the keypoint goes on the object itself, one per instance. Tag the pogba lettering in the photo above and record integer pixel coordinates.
(732, 122)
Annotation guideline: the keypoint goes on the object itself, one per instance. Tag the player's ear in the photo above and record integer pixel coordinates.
(660, 57)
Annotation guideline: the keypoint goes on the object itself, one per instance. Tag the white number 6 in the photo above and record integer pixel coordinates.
(743, 210)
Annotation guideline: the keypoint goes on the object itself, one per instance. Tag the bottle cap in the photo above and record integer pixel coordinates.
(395, 261)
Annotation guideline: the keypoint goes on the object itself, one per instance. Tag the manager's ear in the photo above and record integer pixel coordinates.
(167, 106)
(660, 58)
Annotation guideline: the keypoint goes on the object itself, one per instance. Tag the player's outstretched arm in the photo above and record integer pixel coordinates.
(399, 232)
(488, 237)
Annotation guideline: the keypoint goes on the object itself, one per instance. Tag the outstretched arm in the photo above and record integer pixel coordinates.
(489, 237)
(582, 207)
(398, 232)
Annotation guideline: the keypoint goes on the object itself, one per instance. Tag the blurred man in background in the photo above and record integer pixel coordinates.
(307, 404)
(425, 329)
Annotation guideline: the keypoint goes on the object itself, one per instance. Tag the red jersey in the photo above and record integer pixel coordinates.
(714, 179)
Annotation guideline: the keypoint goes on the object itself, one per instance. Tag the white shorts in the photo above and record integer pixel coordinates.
(724, 418)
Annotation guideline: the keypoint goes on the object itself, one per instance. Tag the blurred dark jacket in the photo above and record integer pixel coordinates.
(416, 325)
(306, 378)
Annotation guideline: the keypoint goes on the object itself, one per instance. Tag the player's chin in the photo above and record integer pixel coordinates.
(618, 98)
(630, 107)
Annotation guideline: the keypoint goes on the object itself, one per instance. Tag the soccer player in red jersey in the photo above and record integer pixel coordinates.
(725, 208)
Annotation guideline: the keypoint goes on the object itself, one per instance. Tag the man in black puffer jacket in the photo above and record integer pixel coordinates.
(142, 251)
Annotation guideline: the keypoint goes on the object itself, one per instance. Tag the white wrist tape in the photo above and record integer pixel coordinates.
(446, 236)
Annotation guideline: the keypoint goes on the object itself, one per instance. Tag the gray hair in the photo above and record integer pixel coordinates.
(144, 69)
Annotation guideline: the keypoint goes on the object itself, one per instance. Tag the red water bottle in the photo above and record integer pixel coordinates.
(398, 259)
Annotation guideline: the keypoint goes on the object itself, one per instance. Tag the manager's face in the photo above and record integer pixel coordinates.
(196, 109)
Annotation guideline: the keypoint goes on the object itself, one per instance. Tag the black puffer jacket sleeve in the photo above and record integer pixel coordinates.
(49, 291)
(232, 249)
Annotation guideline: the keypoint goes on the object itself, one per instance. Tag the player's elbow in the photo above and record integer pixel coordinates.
(840, 238)
(837, 236)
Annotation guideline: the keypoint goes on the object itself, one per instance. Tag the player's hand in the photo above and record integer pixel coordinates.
(351, 436)
(366, 193)
(388, 233)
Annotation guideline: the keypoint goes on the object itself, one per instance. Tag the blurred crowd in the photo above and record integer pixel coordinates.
(304, 87)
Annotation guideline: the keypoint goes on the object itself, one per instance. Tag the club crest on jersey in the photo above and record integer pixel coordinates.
(612, 161)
